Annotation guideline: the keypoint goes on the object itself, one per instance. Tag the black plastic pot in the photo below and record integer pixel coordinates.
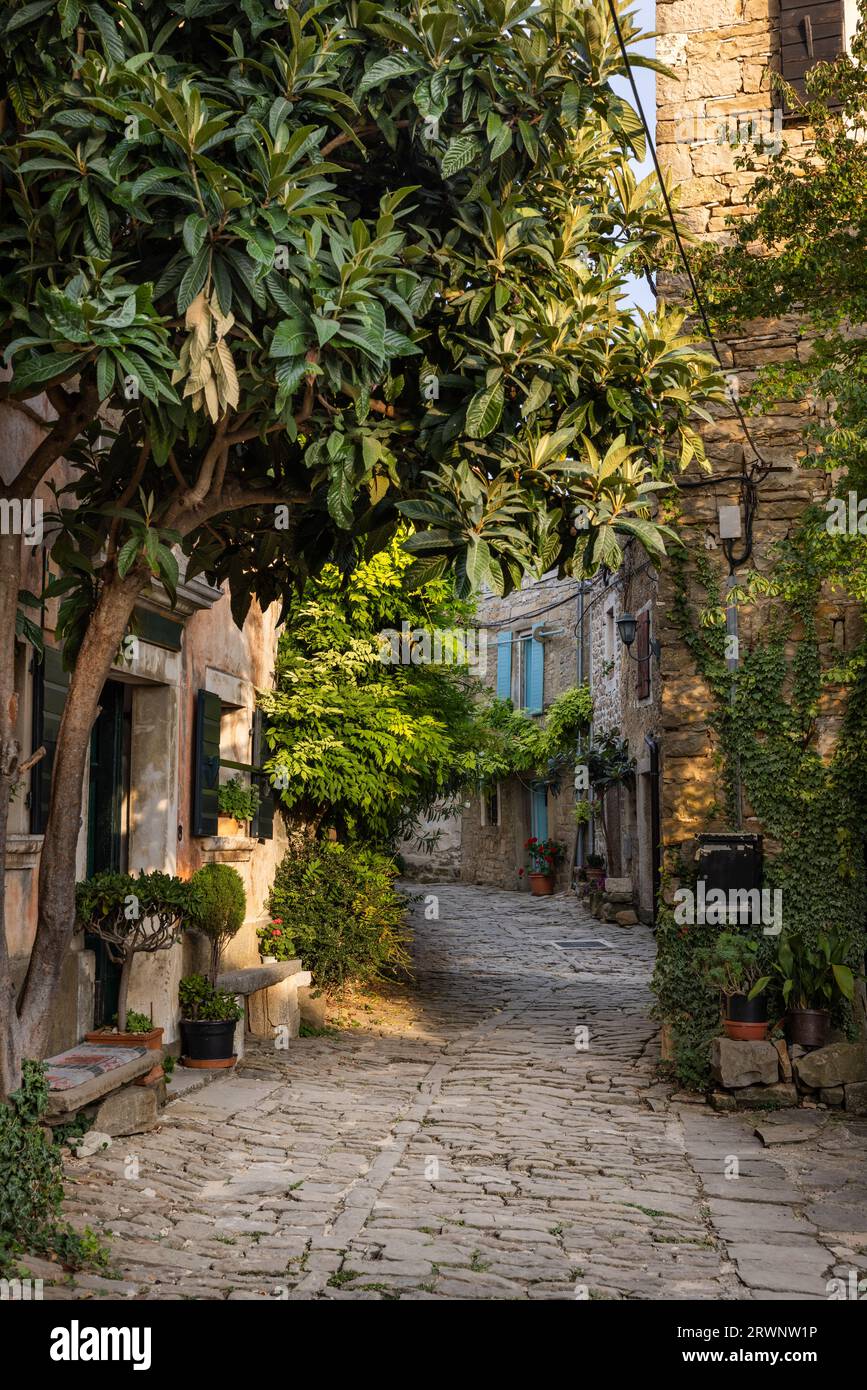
(741, 1009)
(809, 1027)
(207, 1041)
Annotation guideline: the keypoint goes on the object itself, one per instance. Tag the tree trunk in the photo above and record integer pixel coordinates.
(10, 1032)
(57, 865)
(123, 991)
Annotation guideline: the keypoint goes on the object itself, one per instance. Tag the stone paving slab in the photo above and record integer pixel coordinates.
(482, 1156)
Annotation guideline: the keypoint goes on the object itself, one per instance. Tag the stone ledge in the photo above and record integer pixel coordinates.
(250, 979)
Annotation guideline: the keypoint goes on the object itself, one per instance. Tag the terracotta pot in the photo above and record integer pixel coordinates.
(152, 1040)
(745, 1032)
(227, 825)
(595, 875)
(541, 885)
(809, 1027)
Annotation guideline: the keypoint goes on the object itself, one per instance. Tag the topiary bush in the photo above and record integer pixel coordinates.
(219, 908)
(341, 913)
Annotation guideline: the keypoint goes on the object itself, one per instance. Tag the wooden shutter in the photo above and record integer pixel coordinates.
(206, 763)
(809, 34)
(50, 684)
(504, 665)
(534, 653)
(262, 824)
(642, 652)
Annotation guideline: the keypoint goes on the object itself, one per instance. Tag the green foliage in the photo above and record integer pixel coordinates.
(220, 905)
(732, 965)
(337, 260)
(341, 912)
(810, 803)
(357, 740)
(138, 1023)
(237, 799)
(202, 1002)
(31, 1183)
(143, 912)
(517, 743)
(812, 974)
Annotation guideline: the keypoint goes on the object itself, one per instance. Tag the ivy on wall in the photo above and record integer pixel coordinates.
(810, 802)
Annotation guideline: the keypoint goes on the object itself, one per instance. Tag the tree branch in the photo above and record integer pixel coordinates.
(61, 437)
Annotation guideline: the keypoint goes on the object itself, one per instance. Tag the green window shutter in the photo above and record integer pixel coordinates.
(535, 656)
(50, 684)
(206, 763)
(504, 665)
(262, 824)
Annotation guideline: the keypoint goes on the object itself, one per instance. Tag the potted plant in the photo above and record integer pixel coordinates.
(208, 1018)
(545, 855)
(133, 915)
(209, 1015)
(813, 975)
(238, 803)
(732, 966)
(274, 942)
(595, 867)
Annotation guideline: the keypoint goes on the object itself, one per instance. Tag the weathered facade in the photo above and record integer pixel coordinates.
(719, 99)
(180, 698)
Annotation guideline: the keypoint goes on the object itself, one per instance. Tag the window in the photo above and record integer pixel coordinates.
(491, 806)
(813, 33)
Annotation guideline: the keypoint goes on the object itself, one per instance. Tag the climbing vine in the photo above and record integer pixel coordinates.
(810, 800)
(31, 1184)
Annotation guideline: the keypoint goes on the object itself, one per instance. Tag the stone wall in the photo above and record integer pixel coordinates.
(722, 54)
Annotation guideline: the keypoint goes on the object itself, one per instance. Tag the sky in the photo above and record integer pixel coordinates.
(645, 15)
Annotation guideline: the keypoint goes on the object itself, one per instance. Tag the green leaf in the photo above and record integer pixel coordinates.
(193, 279)
(128, 554)
(291, 338)
(485, 410)
(461, 151)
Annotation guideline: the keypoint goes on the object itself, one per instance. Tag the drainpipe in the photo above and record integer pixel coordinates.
(655, 846)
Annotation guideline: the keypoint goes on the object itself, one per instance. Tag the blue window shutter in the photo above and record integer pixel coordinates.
(535, 654)
(539, 813)
(504, 665)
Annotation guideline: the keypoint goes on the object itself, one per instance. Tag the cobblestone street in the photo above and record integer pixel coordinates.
(480, 1155)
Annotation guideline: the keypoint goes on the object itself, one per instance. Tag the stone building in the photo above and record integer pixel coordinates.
(533, 655)
(719, 99)
(178, 708)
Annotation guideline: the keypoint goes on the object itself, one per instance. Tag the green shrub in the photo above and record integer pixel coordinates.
(201, 1002)
(220, 905)
(138, 1023)
(341, 913)
(31, 1183)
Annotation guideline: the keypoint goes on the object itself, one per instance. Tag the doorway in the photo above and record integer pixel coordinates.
(108, 823)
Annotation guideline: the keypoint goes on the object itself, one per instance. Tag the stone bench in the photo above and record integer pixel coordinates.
(270, 996)
(104, 1078)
